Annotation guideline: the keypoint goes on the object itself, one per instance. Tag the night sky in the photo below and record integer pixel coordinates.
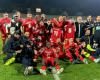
(72, 7)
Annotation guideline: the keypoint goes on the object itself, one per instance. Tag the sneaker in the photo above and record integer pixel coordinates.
(55, 75)
(28, 70)
(85, 61)
(97, 60)
(10, 61)
(60, 71)
(43, 72)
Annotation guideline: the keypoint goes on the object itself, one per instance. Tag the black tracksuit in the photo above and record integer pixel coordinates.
(10, 47)
(97, 32)
(27, 54)
(80, 30)
(89, 25)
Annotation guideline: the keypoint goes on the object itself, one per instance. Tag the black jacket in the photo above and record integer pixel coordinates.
(27, 51)
(11, 45)
(82, 30)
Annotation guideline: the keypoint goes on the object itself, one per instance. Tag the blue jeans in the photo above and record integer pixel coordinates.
(26, 61)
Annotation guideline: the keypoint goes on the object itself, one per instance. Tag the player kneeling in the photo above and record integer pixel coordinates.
(50, 60)
(88, 52)
(72, 51)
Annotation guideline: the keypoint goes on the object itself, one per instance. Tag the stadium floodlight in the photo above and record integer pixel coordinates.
(38, 10)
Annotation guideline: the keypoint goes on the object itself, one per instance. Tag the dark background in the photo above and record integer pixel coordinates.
(53, 7)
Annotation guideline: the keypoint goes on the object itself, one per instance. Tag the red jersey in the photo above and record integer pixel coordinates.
(5, 20)
(56, 34)
(67, 46)
(38, 35)
(5, 23)
(69, 30)
(58, 24)
(48, 53)
(35, 30)
(38, 32)
(28, 24)
(21, 20)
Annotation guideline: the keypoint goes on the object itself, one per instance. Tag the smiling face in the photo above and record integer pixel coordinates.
(60, 18)
(27, 34)
(83, 44)
(79, 19)
(29, 15)
(89, 18)
(5, 15)
(18, 14)
(16, 18)
(87, 32)
(98, 18)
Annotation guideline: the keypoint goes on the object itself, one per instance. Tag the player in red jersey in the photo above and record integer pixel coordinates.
(29, 23)
(49, 60)
(71, 51)
(58, 23)
(56, 36)
(4, 24)
(69, 30)
(39, 34)
(56, 32)
(60, 51)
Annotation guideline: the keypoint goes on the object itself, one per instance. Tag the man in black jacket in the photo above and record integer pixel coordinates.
(89, 24)
(80, 29)
(97, 31)
(28, 57)
(12, 47)
(87, 37)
